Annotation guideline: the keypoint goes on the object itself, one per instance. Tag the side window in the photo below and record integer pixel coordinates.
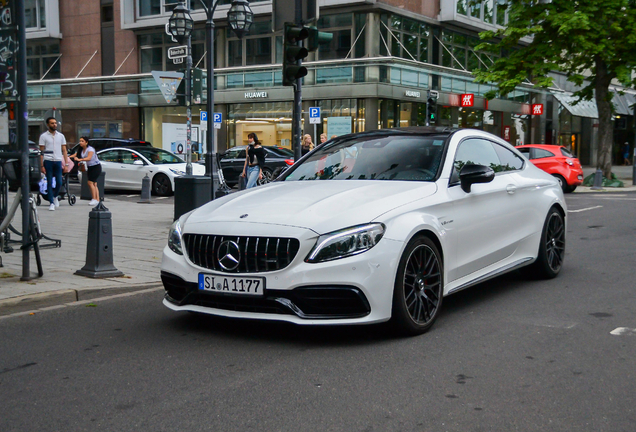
(475, 151)
(230, 154)
(508, 160)
(108, 156)
(127, 157)
(540, 154)
(525, 152)
(241, 154)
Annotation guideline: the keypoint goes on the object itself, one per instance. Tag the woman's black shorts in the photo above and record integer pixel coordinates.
(94, 172)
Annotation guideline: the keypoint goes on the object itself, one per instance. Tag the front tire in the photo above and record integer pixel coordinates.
(552, 247)
(161, 185)
(419, 287)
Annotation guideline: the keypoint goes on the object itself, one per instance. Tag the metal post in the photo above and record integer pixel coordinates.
(188, 101)
(297, 108)
(23, 132)
(210, 152)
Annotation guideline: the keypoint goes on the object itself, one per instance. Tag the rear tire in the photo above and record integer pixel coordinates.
(562, 183)
(161, 185)
(267, 177)
(551, 247)
(419, 287)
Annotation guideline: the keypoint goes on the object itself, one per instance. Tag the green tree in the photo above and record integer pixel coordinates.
(593, 42)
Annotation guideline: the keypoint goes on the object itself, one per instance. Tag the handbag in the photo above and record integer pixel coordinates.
(82, 166)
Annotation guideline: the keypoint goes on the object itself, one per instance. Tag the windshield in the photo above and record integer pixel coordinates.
(158, 156)
(406, 158)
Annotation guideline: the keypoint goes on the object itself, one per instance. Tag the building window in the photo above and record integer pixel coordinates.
(255, 48)
(149, 7)
(458, 52)
(488, 11)
(409, 39)
(40, 58)
(153, 51)
(35, 14)
(101, 129)
(341, 26)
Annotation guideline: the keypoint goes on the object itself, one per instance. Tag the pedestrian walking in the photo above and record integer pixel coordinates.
(323, 138)
(53, 143)
(87, 156)
(626, 154)
(254, 161)
(307, 145)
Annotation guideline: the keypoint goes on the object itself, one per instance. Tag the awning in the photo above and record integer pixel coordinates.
(623, 103)
(582, 109)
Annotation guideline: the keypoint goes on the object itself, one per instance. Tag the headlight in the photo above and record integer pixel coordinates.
(174, 238)
(177, 172)
(346, 242)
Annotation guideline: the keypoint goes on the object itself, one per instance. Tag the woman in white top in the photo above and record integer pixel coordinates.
(86, 154)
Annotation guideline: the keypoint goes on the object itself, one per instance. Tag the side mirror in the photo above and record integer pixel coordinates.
(138, 162)
(471, 174)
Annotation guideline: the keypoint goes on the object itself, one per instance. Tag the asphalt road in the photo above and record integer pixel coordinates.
(507, 355)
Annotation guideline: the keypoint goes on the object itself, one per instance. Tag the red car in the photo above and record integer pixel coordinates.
(555, 160)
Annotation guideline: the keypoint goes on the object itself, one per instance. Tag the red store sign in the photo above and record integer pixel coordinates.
(467, 100)
(506, 133)
(537, 109)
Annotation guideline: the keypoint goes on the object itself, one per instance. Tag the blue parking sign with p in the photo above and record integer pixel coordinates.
(314, 112)
(204, 116)
(217, 117)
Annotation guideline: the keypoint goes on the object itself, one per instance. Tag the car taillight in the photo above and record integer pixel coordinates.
(289, 161)
(569, 162)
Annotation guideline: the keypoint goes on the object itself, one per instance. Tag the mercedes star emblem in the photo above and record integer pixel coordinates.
(229, 255)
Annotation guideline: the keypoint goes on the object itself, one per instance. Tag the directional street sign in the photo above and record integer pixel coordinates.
(218, 117)
(178, 52)
(168, 83)
(314, 115)
(203, 122)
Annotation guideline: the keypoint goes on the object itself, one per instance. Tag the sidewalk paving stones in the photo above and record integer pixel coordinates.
(139, 234)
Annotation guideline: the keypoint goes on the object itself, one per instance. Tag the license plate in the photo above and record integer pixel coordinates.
(249, 286)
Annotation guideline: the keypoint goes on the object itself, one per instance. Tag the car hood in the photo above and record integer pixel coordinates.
(321, 206)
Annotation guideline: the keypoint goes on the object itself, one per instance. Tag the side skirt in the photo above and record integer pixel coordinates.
(493, 274)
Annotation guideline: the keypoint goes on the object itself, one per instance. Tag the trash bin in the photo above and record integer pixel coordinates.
(85, 192)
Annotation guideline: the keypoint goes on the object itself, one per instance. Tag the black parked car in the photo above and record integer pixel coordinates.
(105, 143)
(233, 161)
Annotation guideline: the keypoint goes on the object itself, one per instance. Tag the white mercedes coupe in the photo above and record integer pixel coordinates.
(369, 227)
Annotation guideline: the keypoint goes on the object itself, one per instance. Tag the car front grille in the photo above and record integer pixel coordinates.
(255, 254)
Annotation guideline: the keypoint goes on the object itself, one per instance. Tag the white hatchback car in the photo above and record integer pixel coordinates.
(125, 168)
(367, 228)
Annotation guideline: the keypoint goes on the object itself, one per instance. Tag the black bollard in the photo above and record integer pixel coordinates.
(598, 180)
(145, 190)
(99, 247)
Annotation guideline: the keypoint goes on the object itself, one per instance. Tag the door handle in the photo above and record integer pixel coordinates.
(511, 189)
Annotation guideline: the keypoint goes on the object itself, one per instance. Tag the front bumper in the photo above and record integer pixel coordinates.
(353, 290)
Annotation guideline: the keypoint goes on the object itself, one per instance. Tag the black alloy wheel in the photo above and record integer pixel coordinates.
(419, 287)
(552, 246)
(161, 185)
(267, 177)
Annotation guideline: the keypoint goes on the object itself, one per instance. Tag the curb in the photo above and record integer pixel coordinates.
(30, 302)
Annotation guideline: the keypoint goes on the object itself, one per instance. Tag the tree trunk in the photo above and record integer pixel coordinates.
(605, 130)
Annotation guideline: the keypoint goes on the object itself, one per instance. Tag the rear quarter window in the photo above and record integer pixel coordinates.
(541, 153)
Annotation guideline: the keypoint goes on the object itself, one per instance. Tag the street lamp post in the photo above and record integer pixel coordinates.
(180, 26)
(240, 18)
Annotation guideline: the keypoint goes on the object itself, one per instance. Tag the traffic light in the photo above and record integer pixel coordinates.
(316, 38)
(431, 107)
(292, 53)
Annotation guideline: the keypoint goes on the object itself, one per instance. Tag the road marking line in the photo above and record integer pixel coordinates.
(585, 209)
(130, 196)
(162, 198)
(623, 331)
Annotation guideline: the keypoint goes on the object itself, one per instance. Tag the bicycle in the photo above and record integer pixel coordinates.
(8, 171)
